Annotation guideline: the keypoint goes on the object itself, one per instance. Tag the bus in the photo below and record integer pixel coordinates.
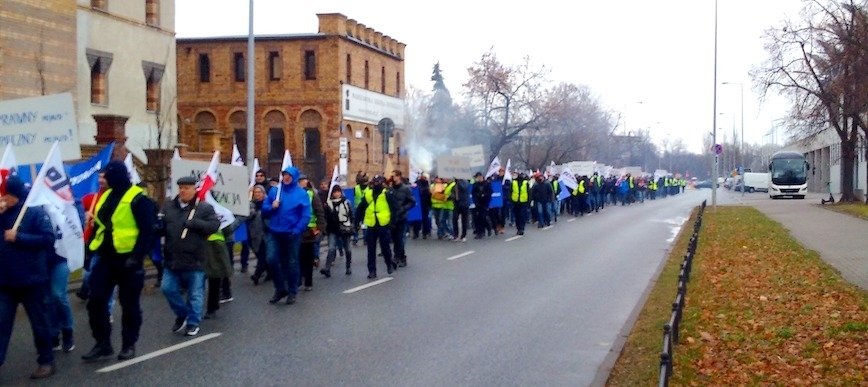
(789, 175)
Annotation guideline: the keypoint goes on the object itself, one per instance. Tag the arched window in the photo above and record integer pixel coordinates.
(275, 121)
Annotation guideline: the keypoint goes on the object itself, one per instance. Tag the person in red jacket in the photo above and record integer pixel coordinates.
(88, 202)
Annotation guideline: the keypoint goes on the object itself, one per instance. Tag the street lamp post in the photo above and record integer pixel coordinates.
(714, 117)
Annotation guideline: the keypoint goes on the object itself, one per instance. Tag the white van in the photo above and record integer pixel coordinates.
(756, 181)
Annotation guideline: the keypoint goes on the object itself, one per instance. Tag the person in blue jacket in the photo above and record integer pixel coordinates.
(287, 209)
(24, 272)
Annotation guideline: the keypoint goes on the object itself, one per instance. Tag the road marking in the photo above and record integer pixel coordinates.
(464, 254)
(365, 286)
(571, 220)
(547, 227)
(513, 238)
(160, 352)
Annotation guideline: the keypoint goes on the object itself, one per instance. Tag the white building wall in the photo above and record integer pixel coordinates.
(121, 31)
(824, 155)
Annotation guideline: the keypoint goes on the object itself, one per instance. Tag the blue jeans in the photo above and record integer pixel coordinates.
(193, 281)
(444, 222)
(61, 316)
(543, 216)
(283, 262)
(554, 209)
(338, 241)
(35, 300)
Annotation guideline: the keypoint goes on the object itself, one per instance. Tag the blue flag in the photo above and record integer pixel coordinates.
(83, 176)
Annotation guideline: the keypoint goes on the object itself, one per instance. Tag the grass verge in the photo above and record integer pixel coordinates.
(859, 210)
(760, 310)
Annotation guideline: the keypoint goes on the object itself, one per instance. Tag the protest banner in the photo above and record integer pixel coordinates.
(32, 125)
(454, 166)
(230, 188)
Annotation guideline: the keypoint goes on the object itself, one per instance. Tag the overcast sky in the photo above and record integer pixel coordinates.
(651, 60)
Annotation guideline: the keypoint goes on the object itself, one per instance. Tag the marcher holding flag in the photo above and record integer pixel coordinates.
(185, 257)
(24, 271)
(288, 209)
(123, 234)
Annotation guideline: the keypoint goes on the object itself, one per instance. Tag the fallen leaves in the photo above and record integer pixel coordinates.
(769, 312)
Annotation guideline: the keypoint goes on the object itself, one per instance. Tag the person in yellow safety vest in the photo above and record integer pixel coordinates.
(307, 254)
(683, 184)
(520, 198)
(376, 211)
(596, 192)
(123, 234)
(555, 206)
(581, 197)
(443, 204)
(652, 186)
(361, 186)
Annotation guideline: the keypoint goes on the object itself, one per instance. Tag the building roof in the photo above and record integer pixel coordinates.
(280, 37)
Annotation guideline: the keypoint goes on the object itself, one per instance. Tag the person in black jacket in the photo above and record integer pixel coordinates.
(185, 254)
(481, 193)
(462, 209)
(423, 225)
(24, 272)
(542, 195)
(339, 229)
(404, 202)
(123, 234)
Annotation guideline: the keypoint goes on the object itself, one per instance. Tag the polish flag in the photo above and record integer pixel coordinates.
(207, 181)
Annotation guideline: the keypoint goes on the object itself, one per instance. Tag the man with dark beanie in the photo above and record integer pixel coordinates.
(24, 271)
(123, 233)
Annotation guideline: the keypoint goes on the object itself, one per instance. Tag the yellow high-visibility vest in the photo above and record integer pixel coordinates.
(124, 228)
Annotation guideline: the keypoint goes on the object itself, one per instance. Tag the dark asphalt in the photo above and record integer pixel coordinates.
(544, 309)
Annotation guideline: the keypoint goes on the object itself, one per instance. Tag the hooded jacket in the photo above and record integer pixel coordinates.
(293, 213)
(23, 262)
(143, 210)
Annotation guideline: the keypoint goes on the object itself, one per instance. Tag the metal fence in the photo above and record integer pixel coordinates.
(670, 329)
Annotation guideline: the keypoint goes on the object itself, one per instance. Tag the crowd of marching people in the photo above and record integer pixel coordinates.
(289, 222)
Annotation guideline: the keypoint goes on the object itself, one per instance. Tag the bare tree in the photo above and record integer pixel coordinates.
(509, 99)
(816, 63)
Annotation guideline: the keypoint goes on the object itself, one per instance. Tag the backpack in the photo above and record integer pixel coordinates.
(439, 192)
(342, 212)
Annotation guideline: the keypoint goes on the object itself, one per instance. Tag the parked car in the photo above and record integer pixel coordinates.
(703, 184)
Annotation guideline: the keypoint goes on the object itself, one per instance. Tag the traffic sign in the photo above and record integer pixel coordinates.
(718, 149)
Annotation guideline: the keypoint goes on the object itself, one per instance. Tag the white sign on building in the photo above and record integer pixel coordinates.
(370, 107)
(31, 125)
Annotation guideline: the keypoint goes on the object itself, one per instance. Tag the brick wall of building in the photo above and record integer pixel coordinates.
(37, 48)
(211, 111)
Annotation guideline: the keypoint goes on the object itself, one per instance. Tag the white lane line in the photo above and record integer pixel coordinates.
(365, 286)
(571, 220)
(160, 352)
(513, 238)
(464, 254)
(547, 227)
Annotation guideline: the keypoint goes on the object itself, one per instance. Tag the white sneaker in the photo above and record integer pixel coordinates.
(464, 239)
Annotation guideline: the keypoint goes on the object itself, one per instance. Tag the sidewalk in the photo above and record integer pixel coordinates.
(840, 239)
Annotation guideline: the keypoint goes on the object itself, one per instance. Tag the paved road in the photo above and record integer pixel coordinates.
(840, 239)
(549, 308)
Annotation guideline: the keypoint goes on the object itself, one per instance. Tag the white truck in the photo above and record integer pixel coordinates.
(756, 181)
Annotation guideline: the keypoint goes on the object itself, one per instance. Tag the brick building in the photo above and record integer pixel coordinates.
(37, 48)
(314, 91)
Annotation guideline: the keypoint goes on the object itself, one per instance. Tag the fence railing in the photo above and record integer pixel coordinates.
(670, 329)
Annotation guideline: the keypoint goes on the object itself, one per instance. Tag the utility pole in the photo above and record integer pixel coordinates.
(251, 81)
